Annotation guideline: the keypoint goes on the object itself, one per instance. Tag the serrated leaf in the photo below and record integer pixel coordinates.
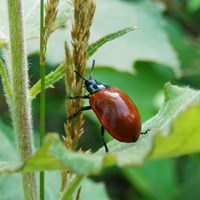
(181, 105)
(53, 155)
(184, 137)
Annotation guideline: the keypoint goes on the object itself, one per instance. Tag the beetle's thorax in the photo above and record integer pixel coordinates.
(93, 86)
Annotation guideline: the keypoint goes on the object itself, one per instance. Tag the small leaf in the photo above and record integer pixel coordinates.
(56, 75)
(96, 45)
(50, 79)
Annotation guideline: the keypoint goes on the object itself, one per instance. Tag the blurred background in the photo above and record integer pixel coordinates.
(166, 48)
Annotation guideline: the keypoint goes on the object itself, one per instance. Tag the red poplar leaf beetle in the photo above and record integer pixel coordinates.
(116, 112)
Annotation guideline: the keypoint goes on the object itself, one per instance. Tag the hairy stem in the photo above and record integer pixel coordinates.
(20, 106)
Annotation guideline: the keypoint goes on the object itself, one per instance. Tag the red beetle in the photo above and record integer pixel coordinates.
(116, 112)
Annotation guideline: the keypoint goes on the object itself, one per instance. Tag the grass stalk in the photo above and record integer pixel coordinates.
(42, 95)
(47, 25)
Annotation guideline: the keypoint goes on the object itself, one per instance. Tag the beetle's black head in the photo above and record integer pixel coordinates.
(92, 85)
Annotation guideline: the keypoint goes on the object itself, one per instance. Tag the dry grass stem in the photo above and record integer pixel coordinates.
(51, 13)
(83, 15)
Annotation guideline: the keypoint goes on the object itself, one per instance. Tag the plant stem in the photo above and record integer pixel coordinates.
(5, 82)
(42, 94)
(71, 187)
(20, 106)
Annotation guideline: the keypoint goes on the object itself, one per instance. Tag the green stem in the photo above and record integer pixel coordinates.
(71, 187)
(20, 105)
(5, 81)
(42, 94)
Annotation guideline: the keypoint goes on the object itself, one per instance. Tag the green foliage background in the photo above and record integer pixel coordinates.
(166, 49)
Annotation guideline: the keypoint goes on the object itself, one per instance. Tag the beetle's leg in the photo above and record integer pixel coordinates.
(104, 143)
(81, 109)
(145, 132)
(79, 97)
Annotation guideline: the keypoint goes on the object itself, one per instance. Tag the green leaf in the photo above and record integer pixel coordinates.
(187, 49)
(93, 47)
(151, 43)
(184, 137)
(179, 133)
(189, 186)
(153, 185)
(193, 5)
(31, 13)
(177, 120)
(52, 155)
(56, 75)
(93, 190)
(10, 185)
(3, 42)
(89, 190)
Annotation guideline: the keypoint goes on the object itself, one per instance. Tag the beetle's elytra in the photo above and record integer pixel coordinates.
(116, 112)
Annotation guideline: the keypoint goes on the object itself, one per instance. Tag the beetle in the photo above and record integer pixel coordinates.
(114, 109)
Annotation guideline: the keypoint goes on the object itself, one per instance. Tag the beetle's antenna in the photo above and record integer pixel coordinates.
(79, 75)
(93, 64)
